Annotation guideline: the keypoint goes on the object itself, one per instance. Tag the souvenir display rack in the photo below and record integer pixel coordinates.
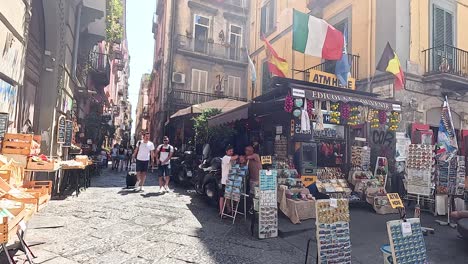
(333, 234)
(360, 158)
(407, 241)
(235, 191)
(461, 173)
(281, 147)
(419, 167)
(268, 206)
(332, 182)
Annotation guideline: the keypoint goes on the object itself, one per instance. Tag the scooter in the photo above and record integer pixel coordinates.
(185, 166)
(207, 180)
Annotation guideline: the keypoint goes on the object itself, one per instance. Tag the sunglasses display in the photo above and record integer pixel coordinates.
(407, 241)
(268, 204)
(333, 234)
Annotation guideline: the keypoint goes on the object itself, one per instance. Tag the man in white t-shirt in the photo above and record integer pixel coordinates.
(164, 152)
(144, 152)
(226, 164)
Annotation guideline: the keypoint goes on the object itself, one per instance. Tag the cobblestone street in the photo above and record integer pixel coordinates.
(108, 224)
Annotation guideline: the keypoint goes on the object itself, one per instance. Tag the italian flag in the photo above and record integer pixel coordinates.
(315, 37)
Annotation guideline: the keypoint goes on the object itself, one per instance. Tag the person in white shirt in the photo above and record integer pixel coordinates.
(226, 164)
(164, 152)
(144, 152)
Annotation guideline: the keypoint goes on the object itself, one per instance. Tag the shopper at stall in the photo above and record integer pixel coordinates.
(164, 152)
(143, 152)
(255, 165)
(226, 164)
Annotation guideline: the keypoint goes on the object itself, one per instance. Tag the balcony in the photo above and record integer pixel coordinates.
(99, 68)
(329, 67)
(145, 113)
(209, 50)
(446, 64)
(185, 98)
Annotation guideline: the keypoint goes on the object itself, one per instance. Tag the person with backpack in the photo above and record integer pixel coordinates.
(144, 152)
(164, 154)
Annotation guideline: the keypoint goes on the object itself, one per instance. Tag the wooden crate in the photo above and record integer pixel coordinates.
(22, 144)
(41, 190)
(6, 176)
(9, 226)
(42, 165)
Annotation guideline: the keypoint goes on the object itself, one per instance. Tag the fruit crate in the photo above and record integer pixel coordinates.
(22, 144)
(6, 176)
(41, 190)
(43, 165)
(9, 225)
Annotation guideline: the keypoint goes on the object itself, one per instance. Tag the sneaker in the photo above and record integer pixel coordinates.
(137, 184)
(141, 188)
(161, 190)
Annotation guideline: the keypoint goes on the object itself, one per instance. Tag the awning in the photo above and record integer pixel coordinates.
(224, 105)
(239, 113)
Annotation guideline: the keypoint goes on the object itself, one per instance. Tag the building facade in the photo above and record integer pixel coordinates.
(200, 54)
(427, 36)
(142, 107)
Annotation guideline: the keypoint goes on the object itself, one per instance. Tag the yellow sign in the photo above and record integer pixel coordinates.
(266, 160)
(329, 79)
(395, 200)
(308, 180)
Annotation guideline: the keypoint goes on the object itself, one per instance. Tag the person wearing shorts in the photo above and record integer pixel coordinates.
(226, 164)
(144, 152)
(164, 152)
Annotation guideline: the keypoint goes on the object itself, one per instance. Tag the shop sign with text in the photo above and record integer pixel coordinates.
(325, 78)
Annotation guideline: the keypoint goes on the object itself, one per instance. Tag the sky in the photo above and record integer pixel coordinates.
(141, 45)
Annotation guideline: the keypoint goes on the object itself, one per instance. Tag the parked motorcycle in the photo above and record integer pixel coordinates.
(185, 166)
(207, 180)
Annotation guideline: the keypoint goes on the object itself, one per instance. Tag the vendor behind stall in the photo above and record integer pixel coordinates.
(255, 165)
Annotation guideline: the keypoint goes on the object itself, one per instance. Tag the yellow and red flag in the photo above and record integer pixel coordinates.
(277, 65)
(389, 62)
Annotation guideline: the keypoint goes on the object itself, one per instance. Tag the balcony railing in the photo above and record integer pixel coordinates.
(99, 68)
(224, 51)
(184, 98)
(329, 66)
(446, 59)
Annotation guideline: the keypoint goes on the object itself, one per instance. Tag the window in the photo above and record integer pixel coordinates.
(199, 81)
(268, 18)
(239, 3)
(266, 76)
(442, 37)
(200, 33)
(233, 88)
(235, 40)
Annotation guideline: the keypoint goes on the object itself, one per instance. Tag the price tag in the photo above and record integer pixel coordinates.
(266, 160)
(395, 200)
(406, 228)
(334, 203)
(22, 225)
(269, 173)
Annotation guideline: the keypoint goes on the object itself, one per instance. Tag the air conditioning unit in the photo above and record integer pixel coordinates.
(178, 77)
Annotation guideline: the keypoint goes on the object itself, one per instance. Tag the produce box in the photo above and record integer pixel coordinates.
(22, 144)
(51, 165)
(10, 219)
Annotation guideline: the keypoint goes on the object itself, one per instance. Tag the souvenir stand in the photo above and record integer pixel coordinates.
(407, 241)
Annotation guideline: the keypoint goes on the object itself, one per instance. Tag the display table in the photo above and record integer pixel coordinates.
(296, 210)
(55, 180)
(76, 172)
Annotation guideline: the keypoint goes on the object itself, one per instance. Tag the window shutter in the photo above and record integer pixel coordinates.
(448, 28)
(438, 34)
(263, 22)
(204, 81)
(195, 80)
(271, 16)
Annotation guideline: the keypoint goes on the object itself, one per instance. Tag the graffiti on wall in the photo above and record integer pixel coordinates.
(8, 95)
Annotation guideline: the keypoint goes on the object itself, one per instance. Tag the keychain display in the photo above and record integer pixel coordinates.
(407, 241)
(333, 234)
(268, 205)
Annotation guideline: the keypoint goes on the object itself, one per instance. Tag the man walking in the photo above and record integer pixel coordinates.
(143, 152)
(164, 152)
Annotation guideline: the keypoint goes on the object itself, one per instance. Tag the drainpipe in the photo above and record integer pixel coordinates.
(171, 63)
(77, 38)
